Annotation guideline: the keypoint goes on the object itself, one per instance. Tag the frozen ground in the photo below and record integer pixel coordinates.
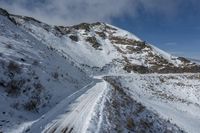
(174, 97)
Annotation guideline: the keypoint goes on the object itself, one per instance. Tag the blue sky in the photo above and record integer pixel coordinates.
(172, 25)
(179, 34)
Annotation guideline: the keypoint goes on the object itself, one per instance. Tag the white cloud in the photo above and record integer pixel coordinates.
(162, 7)
(76, 11)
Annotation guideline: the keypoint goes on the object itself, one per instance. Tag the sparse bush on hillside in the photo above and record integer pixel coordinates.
(31, 105)
(55, 75)
(130, 123)
(38, 87)
(145, 124)
(14, 67)
(13, 88)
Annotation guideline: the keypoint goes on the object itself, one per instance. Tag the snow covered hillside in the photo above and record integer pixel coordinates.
(91, 78)
(33, 77)
(176, 97)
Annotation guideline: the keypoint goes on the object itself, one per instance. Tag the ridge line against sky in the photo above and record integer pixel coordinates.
(172, 25)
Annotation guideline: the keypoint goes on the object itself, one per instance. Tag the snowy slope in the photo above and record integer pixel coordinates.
(91, 78)
(33, 77)
(167, 56)
(175, 97)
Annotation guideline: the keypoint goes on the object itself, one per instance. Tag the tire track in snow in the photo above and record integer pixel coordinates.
(51, 117)
(101, 109)
(79, 114)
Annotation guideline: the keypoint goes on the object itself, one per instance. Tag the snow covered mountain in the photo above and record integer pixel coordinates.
(91, 78)
(195, 60)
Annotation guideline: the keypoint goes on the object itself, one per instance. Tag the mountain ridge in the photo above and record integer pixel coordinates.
(133, 45)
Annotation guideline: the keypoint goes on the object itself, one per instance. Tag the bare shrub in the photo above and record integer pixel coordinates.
(55, 75)
(39, 87)
(130, 123)
(31, 105)
(13, 87)
(14, 67)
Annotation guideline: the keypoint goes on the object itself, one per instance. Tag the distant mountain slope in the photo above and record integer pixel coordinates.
(103, 46)
(195, 60)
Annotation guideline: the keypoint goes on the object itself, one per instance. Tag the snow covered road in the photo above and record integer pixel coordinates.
(74, 117)
(84, 111)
